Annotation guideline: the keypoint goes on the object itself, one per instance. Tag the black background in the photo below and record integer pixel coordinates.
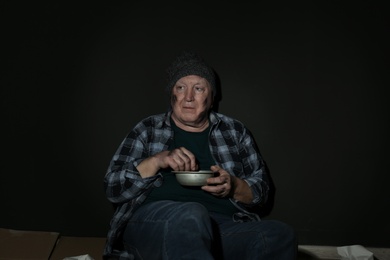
(310, 80)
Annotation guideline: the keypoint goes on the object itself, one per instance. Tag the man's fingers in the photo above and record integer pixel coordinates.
(182, 160)
(190, 159)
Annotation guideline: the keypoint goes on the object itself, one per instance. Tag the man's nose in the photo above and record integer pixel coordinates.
(189, 95)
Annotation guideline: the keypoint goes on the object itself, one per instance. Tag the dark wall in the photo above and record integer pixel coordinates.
(309, 80)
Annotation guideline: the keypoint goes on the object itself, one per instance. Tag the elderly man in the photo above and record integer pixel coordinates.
(156, 217)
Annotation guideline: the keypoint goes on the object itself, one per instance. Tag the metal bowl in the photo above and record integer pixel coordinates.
(193, 178)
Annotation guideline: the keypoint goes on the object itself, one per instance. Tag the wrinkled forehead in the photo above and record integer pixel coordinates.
(193, 80)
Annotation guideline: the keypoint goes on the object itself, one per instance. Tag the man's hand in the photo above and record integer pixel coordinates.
(226, 185)
(179, 159)
(221, 185)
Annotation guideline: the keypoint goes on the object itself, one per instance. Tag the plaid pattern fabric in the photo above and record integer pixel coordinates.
(232, 147)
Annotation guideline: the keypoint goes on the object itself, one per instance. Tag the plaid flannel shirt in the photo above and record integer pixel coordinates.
(232, 147)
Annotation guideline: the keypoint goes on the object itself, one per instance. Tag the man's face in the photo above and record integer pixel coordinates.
(191, 100)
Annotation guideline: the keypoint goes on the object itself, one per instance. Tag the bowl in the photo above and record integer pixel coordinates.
(193, 178)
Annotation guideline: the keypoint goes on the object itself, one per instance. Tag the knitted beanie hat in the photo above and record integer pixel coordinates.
(189, 63)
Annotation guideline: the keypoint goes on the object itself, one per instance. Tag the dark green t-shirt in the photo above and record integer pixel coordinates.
(198, 144)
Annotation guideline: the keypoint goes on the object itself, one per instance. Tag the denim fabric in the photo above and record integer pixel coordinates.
(264, 239)
(169, 230)
(186, 230)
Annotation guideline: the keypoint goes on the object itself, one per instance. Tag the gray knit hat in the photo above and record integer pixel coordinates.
(190, 63)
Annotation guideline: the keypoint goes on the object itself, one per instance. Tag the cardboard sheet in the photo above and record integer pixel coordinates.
(79, 247)
(21, 244)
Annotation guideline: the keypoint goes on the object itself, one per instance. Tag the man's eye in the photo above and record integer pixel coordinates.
(199, 89)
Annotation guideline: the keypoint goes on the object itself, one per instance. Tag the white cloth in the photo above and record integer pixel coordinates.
(80, 257)
(354, 252)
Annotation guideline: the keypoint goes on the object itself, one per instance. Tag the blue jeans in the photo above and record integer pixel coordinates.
(186, 230)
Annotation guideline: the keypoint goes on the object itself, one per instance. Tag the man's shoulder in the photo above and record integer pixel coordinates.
(153, 120)
(228, 120)
(155, 117)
